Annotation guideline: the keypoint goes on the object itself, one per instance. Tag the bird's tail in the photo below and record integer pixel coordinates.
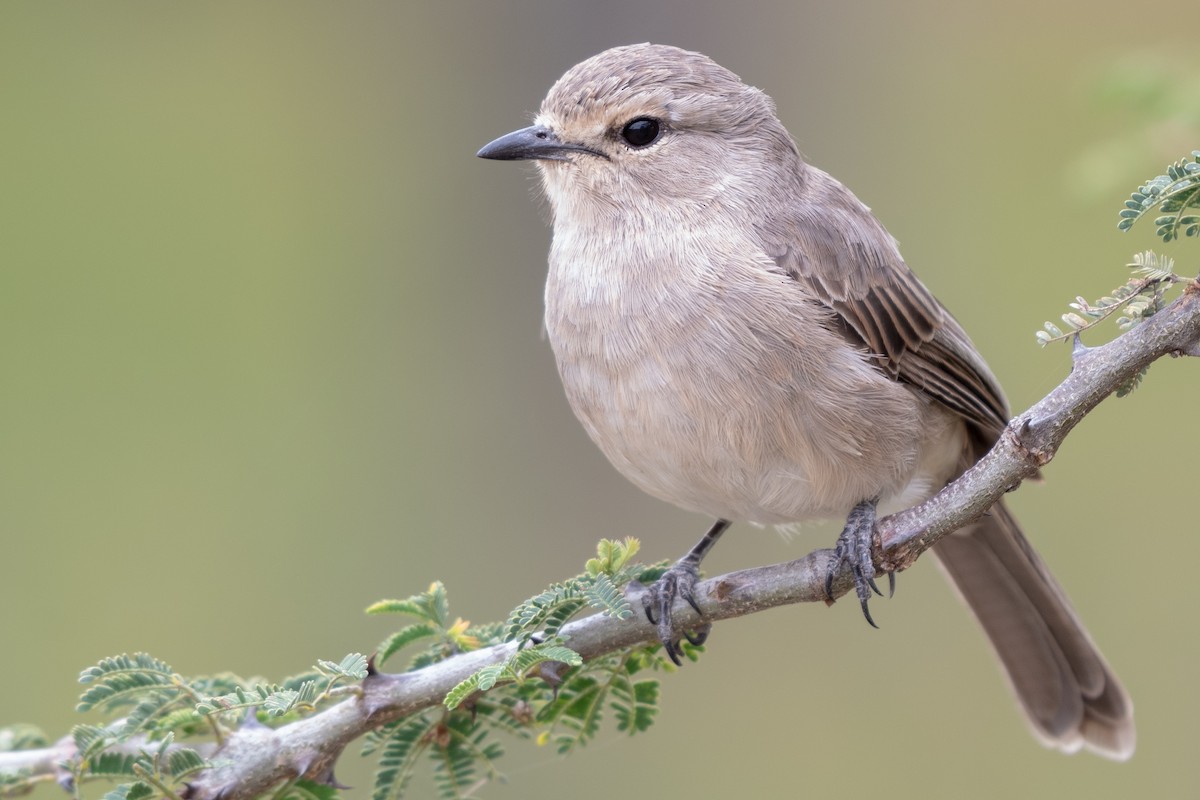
(1068, 692)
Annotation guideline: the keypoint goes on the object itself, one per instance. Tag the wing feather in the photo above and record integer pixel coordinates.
(834, 246)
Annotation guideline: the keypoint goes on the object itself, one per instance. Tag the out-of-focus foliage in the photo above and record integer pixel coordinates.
(1158, 98)
(1174, 193)
(543, 691)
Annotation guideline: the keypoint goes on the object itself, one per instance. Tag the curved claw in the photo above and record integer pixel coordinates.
(854, 549)
(867, 613)
(699, 637)
(657, 601)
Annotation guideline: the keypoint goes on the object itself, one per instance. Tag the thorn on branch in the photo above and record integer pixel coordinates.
(250, 720)
(304, 761)
(1078, 348)
(376, 689)
(329, 780)
(471, 704)
(1016, 432)
(552, 673)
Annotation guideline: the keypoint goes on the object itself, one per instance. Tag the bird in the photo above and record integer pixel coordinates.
(741, 337)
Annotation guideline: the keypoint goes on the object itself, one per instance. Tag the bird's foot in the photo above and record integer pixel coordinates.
(659, 597)
(853, 549)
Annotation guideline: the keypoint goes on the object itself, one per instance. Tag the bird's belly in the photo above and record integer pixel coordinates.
(760, 429)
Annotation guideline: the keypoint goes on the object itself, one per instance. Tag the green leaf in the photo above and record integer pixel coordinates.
(409, 607)
(1174, 192)
(605, 595)
(439, 604)
(612, 556)
(298, 682)
(525, 660)
(549, 609)
(405, 742)
(279, 703)
(119, 680)
(577, 712)
(233, 701)
(479, 681)
(353, 666)
(183, 761)
(165, 744)
(149, 711)
(1074, 320)
(112, 765)
(431, 606)
(635, 704)
(455, 761)
(91, 739)
(137, 663)
(560, 616)
(131, 791)
(401, 639)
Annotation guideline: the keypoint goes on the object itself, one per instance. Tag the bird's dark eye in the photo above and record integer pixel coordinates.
(641, 131)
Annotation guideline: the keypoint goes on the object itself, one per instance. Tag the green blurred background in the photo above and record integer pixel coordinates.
(269, 339)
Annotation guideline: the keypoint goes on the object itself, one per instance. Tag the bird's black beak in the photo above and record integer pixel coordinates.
(536, 142)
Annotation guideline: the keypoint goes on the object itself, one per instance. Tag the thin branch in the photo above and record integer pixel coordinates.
(1033, 438)
(48, 762)
(256, 758)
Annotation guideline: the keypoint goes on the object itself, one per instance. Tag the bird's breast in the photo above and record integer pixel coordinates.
(711, 382)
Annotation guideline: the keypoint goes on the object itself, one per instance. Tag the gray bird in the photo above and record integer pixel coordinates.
(740, 337)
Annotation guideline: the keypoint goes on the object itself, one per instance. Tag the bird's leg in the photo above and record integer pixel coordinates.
(679, 581)
(854, 549)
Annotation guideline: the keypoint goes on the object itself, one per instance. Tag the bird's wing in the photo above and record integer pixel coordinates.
(834, 246)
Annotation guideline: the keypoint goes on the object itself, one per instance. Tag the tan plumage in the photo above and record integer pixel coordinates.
(741, 337)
